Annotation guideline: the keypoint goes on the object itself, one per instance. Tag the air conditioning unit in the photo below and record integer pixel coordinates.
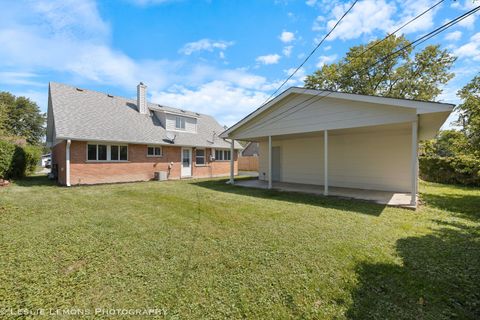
(160, 176)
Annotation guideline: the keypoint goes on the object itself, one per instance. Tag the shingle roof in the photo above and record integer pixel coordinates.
(81, 114)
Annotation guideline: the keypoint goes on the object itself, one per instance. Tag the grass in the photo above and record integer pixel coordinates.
(203, 249)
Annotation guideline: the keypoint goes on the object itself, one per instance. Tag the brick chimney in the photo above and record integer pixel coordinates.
(142, 98)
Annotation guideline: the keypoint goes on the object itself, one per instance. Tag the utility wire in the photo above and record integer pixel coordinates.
(402, 26)
(413, 44)
(311, 53)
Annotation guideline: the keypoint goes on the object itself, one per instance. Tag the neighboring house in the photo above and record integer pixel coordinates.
(100, 138)
(340, 139)
(250, 150)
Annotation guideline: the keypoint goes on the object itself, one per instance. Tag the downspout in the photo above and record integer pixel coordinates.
(67, 163)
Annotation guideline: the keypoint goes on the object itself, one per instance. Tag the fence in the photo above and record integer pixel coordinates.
(249, 163)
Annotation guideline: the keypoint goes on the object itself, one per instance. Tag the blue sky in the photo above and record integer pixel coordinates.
(223, 58)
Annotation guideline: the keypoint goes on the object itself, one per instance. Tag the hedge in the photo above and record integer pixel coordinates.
(17, 161)
(460, 169)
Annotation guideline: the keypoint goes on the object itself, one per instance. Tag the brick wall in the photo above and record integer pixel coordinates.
(138, 168)
(212, 169)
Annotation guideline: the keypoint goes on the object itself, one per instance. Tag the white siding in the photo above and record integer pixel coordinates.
(319, 114)
(377, 159)
(190, 123)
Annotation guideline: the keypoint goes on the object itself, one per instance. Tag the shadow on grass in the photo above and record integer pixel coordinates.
(439, 279)
(465, 205)
(351, 205)
(34, 181)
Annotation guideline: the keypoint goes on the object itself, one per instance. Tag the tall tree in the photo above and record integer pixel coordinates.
(22, 118)
(3, 118)
(401, 75)
(469, 111)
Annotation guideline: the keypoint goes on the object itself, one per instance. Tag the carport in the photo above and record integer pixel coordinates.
(313, 139)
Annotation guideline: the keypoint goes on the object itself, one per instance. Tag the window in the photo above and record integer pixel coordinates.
(222, 155)
(92, 152)
(104, 152)
(154, 151)
(180, 123)
(114, 153)
(101, 152)
(200, 156)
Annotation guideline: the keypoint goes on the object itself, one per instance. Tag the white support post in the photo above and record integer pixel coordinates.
(325, 163)
(67, 163)
(414, 168)
(269, 162)
(232, 162)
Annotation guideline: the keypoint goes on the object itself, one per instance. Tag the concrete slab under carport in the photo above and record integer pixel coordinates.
(389, 198)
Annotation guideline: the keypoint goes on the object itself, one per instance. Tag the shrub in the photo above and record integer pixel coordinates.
(32, 158)
(16, 161)
(459, 169)
(7, 151)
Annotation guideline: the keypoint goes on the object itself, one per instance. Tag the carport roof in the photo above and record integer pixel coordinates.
(422, 107)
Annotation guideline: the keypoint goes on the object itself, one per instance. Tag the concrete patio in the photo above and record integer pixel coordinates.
(388, 198)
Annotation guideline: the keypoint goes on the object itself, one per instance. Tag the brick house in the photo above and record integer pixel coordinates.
(100, 138)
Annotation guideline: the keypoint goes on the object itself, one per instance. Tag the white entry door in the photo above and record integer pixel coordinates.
(186, 162)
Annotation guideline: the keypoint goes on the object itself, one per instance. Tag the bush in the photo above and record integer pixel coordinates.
(17, 161)
(32, 158)
(460, 169)
(7, 151)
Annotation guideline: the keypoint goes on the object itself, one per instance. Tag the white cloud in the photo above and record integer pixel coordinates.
(323, 60)
(220, 98)
(269, 59)
(311, 3)
(20, 78)
(287, 51)
(77, 47)
(469, 22)
(413, 8)
(453, 36)
(365, 18)
(370, 16)
(204, 45)
(470, 49)
(299, 76)
(287, 36)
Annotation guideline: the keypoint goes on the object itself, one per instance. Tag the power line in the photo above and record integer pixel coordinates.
(403, 26)
(371, 47)
(312, 52)
(415, 43)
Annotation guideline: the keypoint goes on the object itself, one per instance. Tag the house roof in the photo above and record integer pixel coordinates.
(87, 115)
(422, 107)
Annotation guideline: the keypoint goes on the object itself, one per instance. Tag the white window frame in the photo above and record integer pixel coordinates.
(155, 155)
(109, 151)
(181, 120)
(222, 152)
(204, 157)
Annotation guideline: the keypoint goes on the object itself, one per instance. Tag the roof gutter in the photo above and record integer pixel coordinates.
(67, 163)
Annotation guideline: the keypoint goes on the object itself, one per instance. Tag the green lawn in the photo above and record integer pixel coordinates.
(203, 249)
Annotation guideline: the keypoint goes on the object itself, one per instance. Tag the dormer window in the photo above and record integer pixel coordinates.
(179, 123)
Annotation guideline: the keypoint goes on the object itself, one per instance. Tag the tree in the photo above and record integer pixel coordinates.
(469, 111)
(22, 117)
(399, 76)
(3, 118)
(448, 143)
